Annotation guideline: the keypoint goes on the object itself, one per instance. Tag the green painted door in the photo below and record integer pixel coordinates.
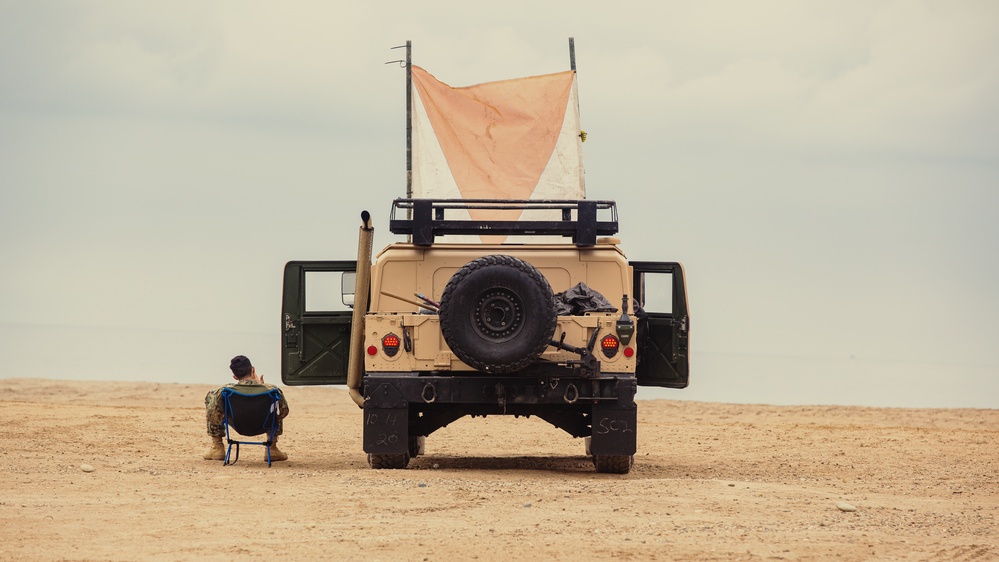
(663, 358)
(316, 316)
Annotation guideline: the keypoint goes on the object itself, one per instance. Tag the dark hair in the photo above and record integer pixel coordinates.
(240, 366)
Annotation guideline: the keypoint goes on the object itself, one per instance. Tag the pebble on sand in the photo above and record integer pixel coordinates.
(843, 506)
(87, 468)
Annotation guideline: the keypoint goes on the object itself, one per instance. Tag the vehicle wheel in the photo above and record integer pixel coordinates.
(416, 445)
(613, 464)
(389, 461)
(497, 314)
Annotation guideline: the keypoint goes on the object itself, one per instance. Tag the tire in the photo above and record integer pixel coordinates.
(613, 464)
(389, 461)
(497, 314)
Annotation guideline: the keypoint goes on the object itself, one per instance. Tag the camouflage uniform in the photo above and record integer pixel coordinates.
(214, 405)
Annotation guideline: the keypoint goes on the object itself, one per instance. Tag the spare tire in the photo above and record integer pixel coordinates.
(497, 314)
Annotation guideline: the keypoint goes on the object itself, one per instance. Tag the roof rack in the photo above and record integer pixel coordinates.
(429, 218)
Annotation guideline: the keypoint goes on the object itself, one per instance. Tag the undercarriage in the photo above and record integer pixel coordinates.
(400, 410)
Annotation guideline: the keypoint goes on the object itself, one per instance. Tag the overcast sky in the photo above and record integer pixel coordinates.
(827, 172)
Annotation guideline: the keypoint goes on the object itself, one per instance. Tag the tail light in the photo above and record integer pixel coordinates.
(390, 344)
(610, 346)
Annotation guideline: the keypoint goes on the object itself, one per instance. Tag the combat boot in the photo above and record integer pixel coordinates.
(277, 454)
(217, 450)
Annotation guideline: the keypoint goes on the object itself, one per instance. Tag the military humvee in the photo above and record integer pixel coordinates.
(433, 330)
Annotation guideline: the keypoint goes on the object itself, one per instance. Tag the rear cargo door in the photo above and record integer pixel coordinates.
(662, 337)
(315, 321)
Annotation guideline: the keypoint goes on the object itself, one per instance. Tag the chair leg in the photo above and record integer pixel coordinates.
(228, 453)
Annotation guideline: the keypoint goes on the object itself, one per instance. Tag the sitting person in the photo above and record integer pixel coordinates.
(247, 382)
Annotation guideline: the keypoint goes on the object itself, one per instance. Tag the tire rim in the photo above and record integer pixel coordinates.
(498, 315)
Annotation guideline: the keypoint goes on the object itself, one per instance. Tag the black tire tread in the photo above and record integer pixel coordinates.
(378, 462)
(613, 464)
(505, 261)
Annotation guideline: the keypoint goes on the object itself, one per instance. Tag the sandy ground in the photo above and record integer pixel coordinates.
(710, 482)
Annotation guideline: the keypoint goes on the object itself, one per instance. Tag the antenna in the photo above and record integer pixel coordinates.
(407, 64)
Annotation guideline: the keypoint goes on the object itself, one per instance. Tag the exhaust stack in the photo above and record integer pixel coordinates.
(362, 289)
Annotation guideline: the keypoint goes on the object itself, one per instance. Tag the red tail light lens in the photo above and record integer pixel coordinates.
(390, 344)
(610, 346)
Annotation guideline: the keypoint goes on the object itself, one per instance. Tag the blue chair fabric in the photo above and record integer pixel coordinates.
(249, 415)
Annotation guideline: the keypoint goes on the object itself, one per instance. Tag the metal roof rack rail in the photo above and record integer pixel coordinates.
(428, 218)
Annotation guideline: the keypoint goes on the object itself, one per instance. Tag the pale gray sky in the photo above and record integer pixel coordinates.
(827, 172)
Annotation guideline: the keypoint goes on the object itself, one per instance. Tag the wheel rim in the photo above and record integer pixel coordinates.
(498, 315)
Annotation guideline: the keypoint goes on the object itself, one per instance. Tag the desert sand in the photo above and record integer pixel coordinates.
(113, 471)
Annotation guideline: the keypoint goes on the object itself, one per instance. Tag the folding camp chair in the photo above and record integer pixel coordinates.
(250, 415)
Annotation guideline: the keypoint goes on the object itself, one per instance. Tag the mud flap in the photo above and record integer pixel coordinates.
(614, 429)
(613, 423)
(386, 421)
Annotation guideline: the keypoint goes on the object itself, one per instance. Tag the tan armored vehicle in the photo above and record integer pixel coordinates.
(441, 331)
(509, 295)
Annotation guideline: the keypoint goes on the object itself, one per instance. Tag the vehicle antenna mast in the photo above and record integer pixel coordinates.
(407, 64)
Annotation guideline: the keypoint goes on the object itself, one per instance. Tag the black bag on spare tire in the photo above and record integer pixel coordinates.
(497, 314)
